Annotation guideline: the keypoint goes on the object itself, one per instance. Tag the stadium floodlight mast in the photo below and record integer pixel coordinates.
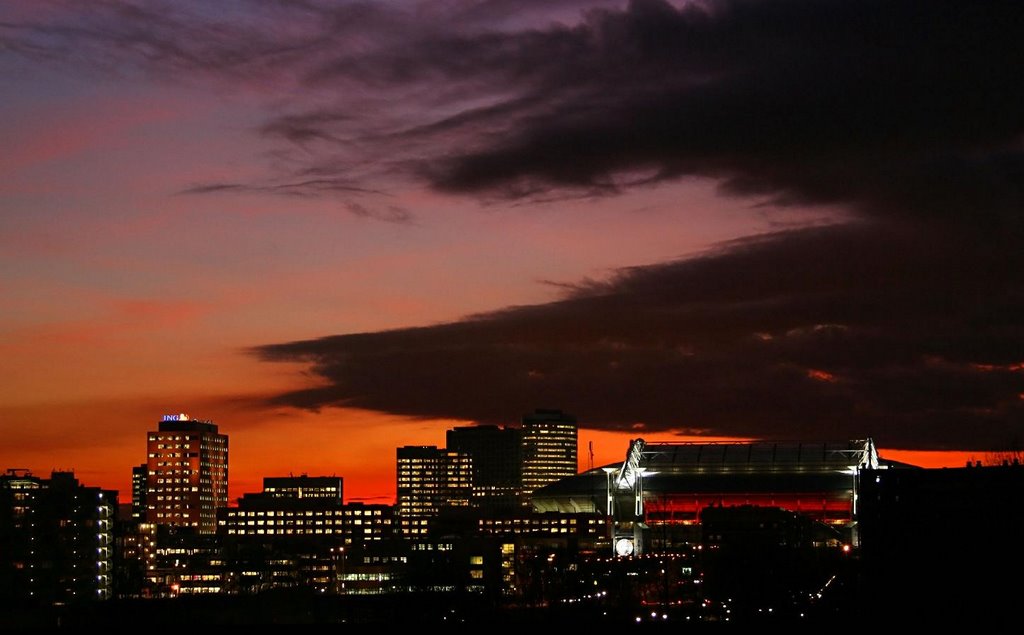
(610, 508)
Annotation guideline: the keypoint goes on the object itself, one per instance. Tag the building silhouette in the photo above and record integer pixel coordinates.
(298, 533)
(57, 539)
(185, 562)
(942, 543)
(305, 506)
(140, 475)
(548, 449)
(135, 557)
(187, 473)
(496, 455)
(429, 479)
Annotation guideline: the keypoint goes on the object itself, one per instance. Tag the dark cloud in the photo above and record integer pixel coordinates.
(835, 332)
(904, 324)
(891, 106)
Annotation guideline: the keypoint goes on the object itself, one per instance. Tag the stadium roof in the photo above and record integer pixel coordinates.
(672, 469)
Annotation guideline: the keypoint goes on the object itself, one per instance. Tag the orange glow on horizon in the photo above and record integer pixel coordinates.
(102, 440)
(934, 458)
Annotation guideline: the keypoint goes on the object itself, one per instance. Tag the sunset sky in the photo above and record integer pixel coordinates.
(338, 227)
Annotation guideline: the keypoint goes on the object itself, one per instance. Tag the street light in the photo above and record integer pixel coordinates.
(339, 580)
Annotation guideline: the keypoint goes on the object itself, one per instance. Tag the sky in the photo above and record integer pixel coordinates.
(335, 228)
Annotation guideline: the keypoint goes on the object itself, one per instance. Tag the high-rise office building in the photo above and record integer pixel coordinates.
(56, 539)
(139, 478)
(549, 449)
(496, 455)
(187, 473)
(429, 479)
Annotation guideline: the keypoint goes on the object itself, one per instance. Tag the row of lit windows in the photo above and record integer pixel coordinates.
(539, 522)
(533, 530)
(418, 511)
(426, 546)
(320, 516)
(336, 512)
(304, 522)
(198, 590)
(250, 525)
(461, 483)
(357, 577)
(384, 559)
(165, 436)
(547, 426)
(200, 577)
(233, 531)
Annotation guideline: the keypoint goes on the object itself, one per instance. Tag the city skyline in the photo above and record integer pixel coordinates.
(610, 454)
(335, 229)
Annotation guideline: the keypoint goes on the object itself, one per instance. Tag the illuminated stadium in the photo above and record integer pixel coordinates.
(668, 484)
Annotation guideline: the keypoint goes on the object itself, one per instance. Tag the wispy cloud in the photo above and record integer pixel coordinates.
(314, 187)
(888, 106)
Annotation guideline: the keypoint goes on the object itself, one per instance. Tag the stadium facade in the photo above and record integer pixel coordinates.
(657, 494)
